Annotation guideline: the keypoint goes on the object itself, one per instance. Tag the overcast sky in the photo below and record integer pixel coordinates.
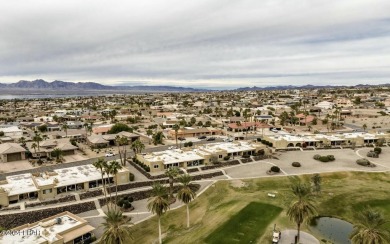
(201, 43)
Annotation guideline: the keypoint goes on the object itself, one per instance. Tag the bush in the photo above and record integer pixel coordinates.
(246, 156)
(324, 159)
(372, 154)
(331, 157)
(226, 158)
(275, 169)
(317, 157)
(378, 150)
(131, 177)
(365, 162)
(296, 164)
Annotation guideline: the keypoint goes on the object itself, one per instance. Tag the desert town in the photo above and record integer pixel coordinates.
(60, 158)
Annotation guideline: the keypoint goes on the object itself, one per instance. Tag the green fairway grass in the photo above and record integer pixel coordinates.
(247, 225)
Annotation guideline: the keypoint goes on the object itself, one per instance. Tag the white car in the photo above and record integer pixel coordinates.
(110, 154)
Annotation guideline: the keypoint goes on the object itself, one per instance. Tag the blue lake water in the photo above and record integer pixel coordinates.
(332, 229)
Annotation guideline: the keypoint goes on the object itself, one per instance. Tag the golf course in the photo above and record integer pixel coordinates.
(228, 212)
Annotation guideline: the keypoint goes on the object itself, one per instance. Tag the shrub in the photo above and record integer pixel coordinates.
(246, 156)
(190, 143)
(275, 169)
(296, 164)
(226, 158)
(317, 157)
(324, 159)
(378, 150)
(364, 162)
(331, 157)
(372, 154)
(131, 177)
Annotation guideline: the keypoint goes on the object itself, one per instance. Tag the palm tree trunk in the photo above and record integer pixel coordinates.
(298, 235)
(171, 187)
(188, 216)
(159, 230)
(104, 191)
(116, 190)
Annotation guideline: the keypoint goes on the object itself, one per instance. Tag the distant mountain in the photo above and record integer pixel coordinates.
(80, 86)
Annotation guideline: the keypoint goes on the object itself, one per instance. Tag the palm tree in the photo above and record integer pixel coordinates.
(114, 169)
(121, 141)
(116, 228)
(186, 194)
(34, 146)
(158, 204)
(101, 164)
(302, 209)
(65, 127)
(176, 128)
(22, 140)
(171, 172)
(37, 138)
(57, 153)
(158, 138)
(316, 179)
(364, 127)
(370, 228)
(137, 146)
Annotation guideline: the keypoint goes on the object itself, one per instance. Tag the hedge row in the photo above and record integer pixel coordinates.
(222, 164)
(69, 198)
(10, 221)
(246, 160)
(192, 170)
(89, 194)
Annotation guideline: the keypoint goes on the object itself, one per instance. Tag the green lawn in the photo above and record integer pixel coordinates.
(247, 225)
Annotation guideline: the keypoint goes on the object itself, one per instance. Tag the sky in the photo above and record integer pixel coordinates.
(215, 44)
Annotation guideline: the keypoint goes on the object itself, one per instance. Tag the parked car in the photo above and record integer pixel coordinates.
(228, 140)
(181, 138)
(202, 137)
(211, 139)
(172, 147)
(110, 154)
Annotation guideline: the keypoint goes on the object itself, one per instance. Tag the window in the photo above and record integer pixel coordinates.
(219, 156)
(155, 166)
(47, 191)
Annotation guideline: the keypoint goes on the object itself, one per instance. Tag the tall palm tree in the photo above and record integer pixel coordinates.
(370, 228)
(65, 127)
(37, 138)
(176, 128)
(116, 228)
(172, 173)
(158, 137)
(137, 146)
(158, 204)
(302, 209)
(57, 153)
(186, 194)
(121, 141)
(101, 164)
(22, 140)
(34, 146)
(114, 169)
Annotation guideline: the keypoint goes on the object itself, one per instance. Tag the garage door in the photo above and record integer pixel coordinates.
(14, 157)
(66, 153)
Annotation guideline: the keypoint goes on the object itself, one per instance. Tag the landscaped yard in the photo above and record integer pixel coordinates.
(247, 225)
(213, 213)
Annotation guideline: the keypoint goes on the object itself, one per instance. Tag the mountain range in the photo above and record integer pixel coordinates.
(84, 86)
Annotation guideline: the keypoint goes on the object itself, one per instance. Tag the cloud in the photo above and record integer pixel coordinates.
(211, 44)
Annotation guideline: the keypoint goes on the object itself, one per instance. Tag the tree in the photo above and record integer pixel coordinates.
(302, 209)
(57, 153)
(186, 194)
(316, 180)
(158, 138)
(42, 128)
(137, 146)
(65, 127)
(114, 169)
(34, 146)
(364, 127)
(121, 141)
(119, 127)
(22, 141)
(37, 138)
(149, 132)
(158, 204)
(101, 164)
(370, 228)
(176, 128)
(172, 173)
(116, 228)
